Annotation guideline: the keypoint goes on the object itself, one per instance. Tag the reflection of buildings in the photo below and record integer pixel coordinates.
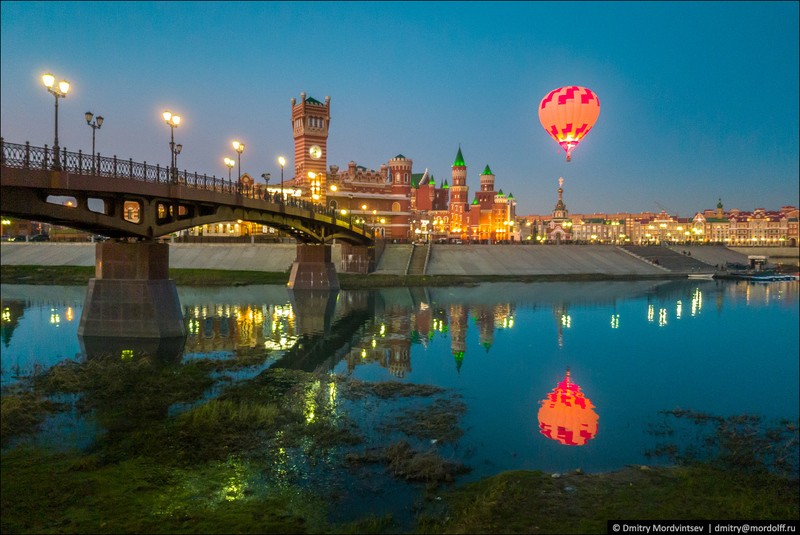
(567, 415)
(388, 340)
(218, 327)
(458, 333)
(12, 313)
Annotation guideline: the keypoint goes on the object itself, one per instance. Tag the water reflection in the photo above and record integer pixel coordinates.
(501, 345)
(567, 415)
(273, 319)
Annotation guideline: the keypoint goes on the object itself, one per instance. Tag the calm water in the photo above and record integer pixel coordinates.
(632, 348)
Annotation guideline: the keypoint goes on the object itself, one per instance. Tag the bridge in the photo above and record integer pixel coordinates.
(135, 203)
(137, 200)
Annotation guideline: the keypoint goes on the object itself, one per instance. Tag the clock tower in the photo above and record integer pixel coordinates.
(310, 120)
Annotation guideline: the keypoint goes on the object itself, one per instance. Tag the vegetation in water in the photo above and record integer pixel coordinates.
(185, 447)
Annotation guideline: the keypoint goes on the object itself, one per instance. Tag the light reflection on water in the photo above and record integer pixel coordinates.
(635, 348)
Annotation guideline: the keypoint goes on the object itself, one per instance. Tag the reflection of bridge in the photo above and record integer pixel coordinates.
(122, 199)
(163, 201)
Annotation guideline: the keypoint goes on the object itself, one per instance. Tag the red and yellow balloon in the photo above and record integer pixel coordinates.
(568, 114)
(567, 415)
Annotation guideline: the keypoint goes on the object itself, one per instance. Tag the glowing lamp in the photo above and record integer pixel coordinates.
(48, 80)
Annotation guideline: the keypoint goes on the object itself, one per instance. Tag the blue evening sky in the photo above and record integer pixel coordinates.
(699, 100)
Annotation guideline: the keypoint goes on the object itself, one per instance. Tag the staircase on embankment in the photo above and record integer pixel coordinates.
(419, 260)
(669, 259)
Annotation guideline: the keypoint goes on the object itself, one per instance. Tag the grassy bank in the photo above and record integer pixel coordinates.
(80, 275)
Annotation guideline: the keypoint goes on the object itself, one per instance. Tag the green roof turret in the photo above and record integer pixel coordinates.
(487, 171)
(459, 162)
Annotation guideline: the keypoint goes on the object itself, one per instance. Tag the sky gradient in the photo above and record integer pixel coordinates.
(698, 100)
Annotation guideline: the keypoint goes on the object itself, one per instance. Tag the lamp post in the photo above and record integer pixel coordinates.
(96, 124)
(266, 177)
(350, 207)
(59, 92)
(172, 121)
(282, 163)
(315, 186)
(230, 163)
(239, 147)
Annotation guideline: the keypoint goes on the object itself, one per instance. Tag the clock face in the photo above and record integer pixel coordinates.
(315, 152)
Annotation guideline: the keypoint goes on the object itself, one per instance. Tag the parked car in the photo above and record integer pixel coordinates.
(19, 237)
(40, 237)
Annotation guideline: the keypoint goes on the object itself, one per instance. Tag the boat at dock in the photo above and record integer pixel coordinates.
(762, 276)
(701, 276)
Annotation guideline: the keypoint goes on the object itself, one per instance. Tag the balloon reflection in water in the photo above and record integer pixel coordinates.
(566, 415)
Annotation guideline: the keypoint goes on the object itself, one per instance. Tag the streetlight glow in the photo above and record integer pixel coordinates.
(281, 162)
(229, 162)
(63, 88)
(173, 121)
(239, 148)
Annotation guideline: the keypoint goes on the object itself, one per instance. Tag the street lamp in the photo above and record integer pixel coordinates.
(282, 163)
(350, 207)
(59, 92)
(315, 186)
(173, 121)
(230, 163)
(266, 177)
(96, 124)
(239, 147)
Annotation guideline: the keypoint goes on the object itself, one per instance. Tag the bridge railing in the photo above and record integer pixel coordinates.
(28, 157)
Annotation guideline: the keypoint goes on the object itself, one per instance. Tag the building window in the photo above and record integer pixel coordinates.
(406, 178)
(395, 207)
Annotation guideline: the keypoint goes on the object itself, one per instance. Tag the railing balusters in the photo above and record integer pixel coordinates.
(27, 154)
(80, 162)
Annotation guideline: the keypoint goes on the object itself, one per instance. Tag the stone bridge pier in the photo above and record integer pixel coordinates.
(131, 295)
(313, 268)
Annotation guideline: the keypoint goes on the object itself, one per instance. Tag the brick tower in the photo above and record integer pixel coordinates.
(459, 193)
(310, 121)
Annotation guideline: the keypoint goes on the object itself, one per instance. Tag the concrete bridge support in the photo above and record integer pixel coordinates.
(313, 268)
(357, 258)
(132, 295)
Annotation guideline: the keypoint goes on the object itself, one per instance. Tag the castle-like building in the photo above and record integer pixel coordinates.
(401, 205)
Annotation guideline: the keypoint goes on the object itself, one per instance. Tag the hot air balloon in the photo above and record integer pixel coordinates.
(568, 113)
(567, 416)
